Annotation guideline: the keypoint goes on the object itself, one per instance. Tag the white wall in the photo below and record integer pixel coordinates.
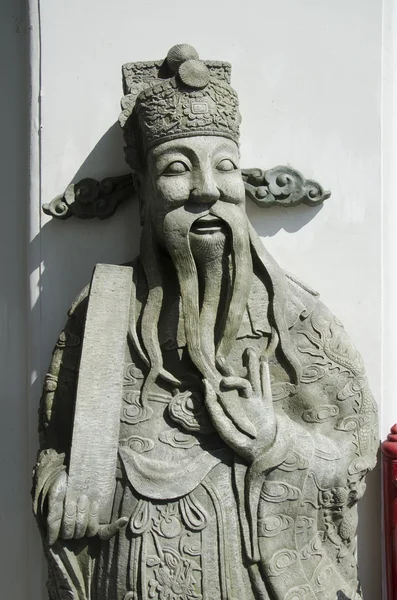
(308, 75)
(389, 217)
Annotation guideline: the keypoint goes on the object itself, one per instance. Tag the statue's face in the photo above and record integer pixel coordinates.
(193, 199)
(193, 177)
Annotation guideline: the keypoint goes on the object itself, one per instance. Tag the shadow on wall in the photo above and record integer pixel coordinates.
(68, 250)
(269, 221)
(106, 158)
(64, 254)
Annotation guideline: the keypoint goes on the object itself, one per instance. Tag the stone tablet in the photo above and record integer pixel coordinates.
(98, 402)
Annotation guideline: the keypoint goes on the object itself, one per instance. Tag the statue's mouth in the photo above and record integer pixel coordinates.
(207, 224)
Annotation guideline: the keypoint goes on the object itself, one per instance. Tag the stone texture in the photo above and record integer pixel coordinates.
(245, 424)
(93, 453)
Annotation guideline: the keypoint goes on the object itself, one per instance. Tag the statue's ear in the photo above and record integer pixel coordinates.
(137, 178)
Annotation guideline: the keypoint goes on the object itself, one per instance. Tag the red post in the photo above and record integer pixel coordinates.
(389, 474)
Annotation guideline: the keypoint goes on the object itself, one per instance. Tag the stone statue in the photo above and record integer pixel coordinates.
(206, 424)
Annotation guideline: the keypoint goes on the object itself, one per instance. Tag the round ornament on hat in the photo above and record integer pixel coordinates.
(178, 54)
(194, 73)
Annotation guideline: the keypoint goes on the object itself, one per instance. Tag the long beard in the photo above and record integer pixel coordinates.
(214, 283)
(211, 327)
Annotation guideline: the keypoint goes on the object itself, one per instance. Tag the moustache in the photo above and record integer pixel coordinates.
(179, 222)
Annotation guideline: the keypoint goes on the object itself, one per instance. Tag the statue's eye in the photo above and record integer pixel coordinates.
(176, 168)
(226, 165)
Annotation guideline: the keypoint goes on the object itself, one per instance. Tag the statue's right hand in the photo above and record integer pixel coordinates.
(69, 519)
(75, 519)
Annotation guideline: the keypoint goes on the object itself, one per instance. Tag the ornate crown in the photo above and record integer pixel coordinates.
(179, 97)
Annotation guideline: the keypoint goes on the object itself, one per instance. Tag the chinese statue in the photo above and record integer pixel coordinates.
(206, 424)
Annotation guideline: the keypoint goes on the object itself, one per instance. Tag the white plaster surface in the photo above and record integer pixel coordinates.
(308, 75)
(389, 216)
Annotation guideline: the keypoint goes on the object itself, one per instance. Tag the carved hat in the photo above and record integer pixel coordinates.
(181, 96)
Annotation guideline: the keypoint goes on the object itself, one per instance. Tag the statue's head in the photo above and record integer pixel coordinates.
(178, 97)
(181, 128)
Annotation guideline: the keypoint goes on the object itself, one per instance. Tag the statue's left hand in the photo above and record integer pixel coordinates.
(256, 404)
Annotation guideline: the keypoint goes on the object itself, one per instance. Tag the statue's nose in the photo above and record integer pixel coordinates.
(205, 190)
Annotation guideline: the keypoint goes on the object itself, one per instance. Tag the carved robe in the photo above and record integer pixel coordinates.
(202, 523)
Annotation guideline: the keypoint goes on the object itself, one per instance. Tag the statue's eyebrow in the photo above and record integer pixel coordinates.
(226, 148)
